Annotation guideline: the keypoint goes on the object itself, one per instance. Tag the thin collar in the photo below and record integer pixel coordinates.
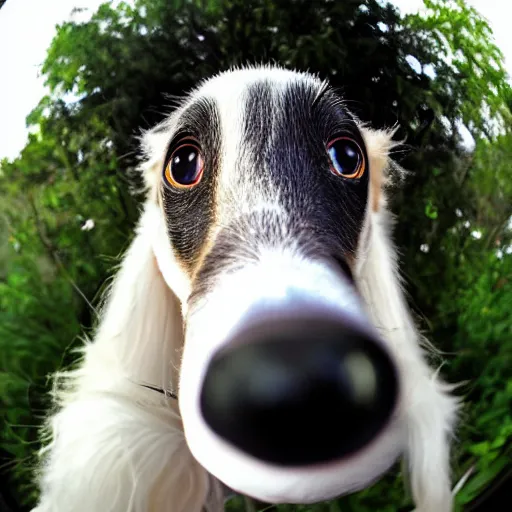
(166, 392)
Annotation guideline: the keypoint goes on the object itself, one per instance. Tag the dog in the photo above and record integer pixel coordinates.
(256, 336)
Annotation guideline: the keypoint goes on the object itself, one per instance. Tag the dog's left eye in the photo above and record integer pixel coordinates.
(347, 158)
(185, 167)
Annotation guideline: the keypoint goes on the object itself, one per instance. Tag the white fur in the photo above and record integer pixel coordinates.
(118, 447)
(429, 409)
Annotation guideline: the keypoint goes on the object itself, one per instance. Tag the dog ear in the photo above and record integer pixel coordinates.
(141, 325)
(154, 146)
(114, 444)
(428, 405)
(379, 144)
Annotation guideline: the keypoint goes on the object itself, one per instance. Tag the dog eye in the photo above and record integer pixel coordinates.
(185, 167)
(347, 159)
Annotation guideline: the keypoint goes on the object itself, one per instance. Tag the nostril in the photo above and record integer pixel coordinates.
(301, 392)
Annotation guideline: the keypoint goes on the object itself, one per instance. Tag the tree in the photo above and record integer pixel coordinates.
(68, 203)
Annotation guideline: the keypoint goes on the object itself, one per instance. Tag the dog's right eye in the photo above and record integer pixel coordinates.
(185, 167)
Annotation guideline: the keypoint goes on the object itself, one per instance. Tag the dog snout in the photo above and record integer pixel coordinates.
(302, 390)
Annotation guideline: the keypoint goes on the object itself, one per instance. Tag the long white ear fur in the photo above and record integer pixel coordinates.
(114, 445)
(430, 409)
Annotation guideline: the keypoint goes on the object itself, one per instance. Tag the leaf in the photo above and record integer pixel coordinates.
(431, 211)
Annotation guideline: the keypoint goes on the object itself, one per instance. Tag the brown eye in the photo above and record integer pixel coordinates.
(347, 159)
(185, 167)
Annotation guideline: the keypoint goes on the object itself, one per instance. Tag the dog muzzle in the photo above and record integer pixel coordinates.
(287, 392)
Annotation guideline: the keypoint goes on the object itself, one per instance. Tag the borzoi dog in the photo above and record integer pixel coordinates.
(256, 336)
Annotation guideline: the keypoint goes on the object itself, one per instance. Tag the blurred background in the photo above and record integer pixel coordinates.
(67, 181)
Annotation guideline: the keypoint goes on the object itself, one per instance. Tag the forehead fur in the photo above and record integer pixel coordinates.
(229, 85)
(229, 89)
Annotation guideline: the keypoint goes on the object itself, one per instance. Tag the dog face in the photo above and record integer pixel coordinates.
(266, 185)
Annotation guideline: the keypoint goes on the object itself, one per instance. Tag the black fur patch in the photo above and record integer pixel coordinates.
(190, 212)
(284, 153)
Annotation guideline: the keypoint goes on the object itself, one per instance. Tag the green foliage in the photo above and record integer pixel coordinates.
(114, 75)
(461, 42)
(476, 306)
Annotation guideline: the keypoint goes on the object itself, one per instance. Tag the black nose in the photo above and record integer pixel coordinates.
(300, 392)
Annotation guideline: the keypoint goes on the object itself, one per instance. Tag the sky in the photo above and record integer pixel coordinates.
(25, 38)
